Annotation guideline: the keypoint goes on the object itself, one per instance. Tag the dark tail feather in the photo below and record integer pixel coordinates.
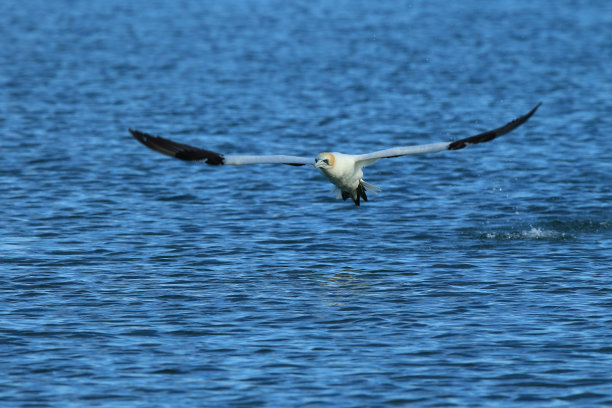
(361, 193)
(346, 195)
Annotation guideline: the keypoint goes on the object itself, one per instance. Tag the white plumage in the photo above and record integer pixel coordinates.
(344, 171)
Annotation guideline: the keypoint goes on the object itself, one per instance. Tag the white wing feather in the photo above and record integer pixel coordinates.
(369, 158)
(273, 159)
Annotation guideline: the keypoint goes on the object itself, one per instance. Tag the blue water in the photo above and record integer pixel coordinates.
(480, 277)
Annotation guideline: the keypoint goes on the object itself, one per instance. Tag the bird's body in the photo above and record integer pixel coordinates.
(341, 170)
(344, 171)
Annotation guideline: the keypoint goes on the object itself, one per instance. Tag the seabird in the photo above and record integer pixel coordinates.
(344, 171)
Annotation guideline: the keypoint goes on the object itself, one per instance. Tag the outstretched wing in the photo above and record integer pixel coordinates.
(190, 153)
(369, 158)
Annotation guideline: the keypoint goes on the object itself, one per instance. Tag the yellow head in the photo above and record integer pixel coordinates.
(324, 160)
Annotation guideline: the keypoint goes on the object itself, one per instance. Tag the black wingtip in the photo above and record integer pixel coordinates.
(177, 150)
(517, 122)
(531, 112)
(138, 135)
(492, 134)
(148, 140)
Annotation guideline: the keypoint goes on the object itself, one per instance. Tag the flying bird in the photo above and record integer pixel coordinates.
(344, 171)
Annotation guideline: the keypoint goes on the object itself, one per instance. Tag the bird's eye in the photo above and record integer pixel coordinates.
(326, 161)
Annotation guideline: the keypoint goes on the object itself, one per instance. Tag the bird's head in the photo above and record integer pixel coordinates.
(324, 161)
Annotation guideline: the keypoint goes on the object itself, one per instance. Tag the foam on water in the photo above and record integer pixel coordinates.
(533, 233)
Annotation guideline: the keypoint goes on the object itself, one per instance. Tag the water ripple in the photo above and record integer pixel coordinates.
(474, 278)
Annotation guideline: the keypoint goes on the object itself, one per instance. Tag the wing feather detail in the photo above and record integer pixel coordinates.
(191, 153)
(370, 158)
(178, 150)
(492, 134)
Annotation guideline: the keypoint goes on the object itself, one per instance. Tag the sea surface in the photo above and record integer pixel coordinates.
(476, 278)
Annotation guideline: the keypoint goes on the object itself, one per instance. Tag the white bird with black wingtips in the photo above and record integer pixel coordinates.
(344, 171)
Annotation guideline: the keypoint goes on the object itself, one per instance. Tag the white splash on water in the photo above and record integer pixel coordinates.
(532, 233)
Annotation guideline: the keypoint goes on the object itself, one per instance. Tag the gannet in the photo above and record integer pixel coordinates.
(344, 171)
